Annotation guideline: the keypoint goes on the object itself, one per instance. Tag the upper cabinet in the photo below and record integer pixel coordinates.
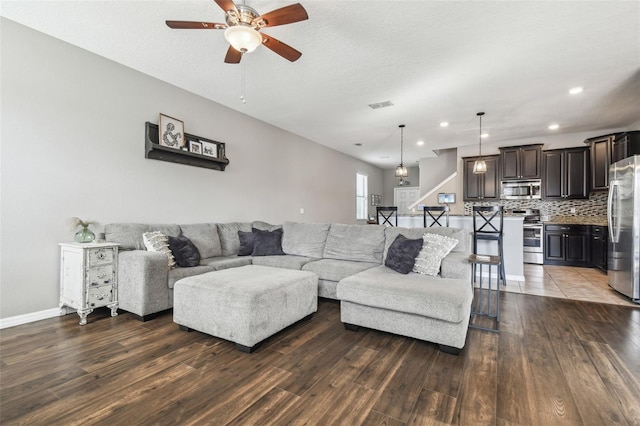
(521, 162)
(481, 187)
(565, 174)
(606, 150)
(625, 145)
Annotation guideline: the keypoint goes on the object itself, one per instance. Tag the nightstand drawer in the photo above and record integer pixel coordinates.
(101, 275)
(99, 296)
(100, 256)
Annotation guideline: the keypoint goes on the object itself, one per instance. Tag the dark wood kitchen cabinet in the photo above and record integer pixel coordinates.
(625, 145)
(481, 187)
(599, 246)
(600, 148)
(565, 173)
(567, 245)
(521, 162)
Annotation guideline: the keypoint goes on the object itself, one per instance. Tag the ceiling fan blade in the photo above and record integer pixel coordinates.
(192, 25)
(284, 15)
(227, 5)
(280, 48)
(233, 56)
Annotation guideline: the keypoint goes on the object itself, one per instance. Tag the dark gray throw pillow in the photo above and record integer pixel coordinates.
(267, 243)
(246, 242)
(185, 252)
(402, 254)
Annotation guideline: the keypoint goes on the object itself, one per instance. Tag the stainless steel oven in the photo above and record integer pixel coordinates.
(533, 243)
(532, 235)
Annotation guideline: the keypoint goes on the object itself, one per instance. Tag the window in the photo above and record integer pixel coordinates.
(361, 196)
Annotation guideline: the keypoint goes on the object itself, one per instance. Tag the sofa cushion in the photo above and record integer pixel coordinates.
(179, 273)
(441, 298)
(267, 243)
(402, 254)
(158, 242)
(287, 262)
(228, 233)
(264, 226)
(362, 243)
(185, 251)
(225, 262)
(335, 270)
(205, 237)
(129, 235)
(305, 239)
(246, 243)
(435, 248)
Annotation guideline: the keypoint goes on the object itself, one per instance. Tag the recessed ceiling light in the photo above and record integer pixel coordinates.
(358, 144)
(444, 124)
(554, 126)
(575, 90)
(484, 135)
(420, 143)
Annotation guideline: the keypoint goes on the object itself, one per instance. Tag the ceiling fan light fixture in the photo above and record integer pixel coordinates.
(243, 38)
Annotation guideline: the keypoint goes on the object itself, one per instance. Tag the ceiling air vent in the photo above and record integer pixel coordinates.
(381, 105)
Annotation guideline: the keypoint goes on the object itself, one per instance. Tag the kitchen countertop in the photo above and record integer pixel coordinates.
(600, 220)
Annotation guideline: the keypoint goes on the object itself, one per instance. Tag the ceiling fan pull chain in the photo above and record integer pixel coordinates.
(242, 86)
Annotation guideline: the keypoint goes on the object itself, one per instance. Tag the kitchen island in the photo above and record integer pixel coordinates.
(512, 238)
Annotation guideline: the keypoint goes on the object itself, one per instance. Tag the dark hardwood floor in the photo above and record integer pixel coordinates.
(555, 362)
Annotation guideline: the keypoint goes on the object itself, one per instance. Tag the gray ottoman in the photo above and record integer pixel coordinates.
(245, 305)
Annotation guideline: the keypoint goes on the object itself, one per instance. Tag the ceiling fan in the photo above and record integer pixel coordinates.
(242, 28)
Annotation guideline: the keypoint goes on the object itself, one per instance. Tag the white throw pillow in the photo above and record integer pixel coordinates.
(157, 241)
(434, 249)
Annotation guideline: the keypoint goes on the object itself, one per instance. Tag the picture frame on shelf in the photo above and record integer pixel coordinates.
(209, 149)
(195, 147)
(171, 132)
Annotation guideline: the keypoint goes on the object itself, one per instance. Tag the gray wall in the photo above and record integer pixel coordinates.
(73, 145)
(436, 169)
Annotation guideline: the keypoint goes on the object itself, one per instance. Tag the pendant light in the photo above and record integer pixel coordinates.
(480, 166)
(401, 170)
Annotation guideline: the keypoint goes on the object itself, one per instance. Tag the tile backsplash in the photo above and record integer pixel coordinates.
(596, 205)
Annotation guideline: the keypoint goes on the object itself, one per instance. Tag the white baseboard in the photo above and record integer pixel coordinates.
(31, 317)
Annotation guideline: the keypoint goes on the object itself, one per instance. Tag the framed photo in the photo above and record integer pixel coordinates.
(171, 132)
(195, 147)
(376, 200)
(209, 149)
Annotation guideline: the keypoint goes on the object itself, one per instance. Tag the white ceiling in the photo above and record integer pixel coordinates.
(435, 60)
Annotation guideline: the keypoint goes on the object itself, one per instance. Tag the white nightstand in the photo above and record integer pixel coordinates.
(88, 277)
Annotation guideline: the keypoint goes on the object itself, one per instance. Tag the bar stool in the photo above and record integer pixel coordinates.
(436, 214)
(479, 310)
(387, 213)
(487, 226)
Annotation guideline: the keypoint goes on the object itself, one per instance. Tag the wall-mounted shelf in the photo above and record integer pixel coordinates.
(155, 151)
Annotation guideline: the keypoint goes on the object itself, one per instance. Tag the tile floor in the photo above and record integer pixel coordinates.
(567, 282)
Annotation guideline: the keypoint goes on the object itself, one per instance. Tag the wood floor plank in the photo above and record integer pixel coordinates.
(266, 409)
(591, 395)
(476, 402)
(622, 384)
(433, 408)
(445, 374)
(378, 419)
(379, 371)
(402, 391)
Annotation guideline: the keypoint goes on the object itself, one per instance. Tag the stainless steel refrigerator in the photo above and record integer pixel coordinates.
(623, 212)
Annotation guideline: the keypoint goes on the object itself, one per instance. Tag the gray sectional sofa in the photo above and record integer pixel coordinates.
(349, 263)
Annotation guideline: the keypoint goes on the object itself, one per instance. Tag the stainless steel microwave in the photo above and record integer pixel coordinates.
(521, 190)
